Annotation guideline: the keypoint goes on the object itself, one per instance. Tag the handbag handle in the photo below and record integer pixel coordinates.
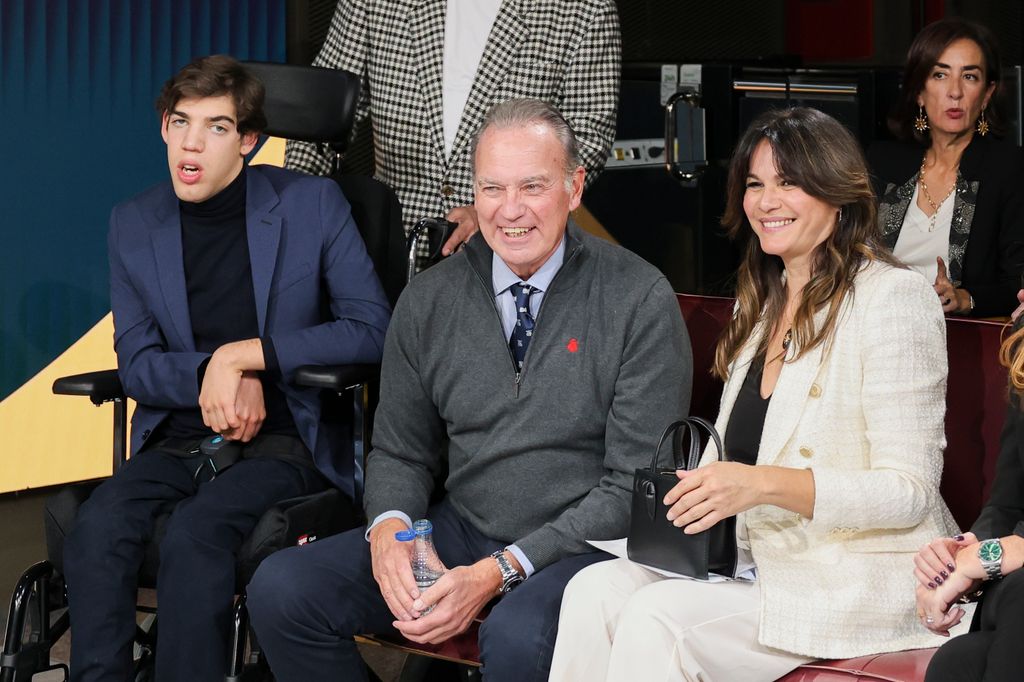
(693, 425)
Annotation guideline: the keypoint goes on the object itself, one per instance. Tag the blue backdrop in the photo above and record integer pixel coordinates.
(78, 133)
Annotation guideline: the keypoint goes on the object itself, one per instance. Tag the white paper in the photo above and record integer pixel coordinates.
(618, 548)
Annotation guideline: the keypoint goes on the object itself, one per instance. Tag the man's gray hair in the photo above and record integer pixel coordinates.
(523, 112)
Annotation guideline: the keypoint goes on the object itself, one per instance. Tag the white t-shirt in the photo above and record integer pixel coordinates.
(467, 24)
(916, 246)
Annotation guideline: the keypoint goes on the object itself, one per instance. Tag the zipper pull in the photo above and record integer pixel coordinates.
(518, 375)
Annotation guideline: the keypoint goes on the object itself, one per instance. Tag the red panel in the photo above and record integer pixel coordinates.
(830, 30)
(933, 10)
(975, 410)
(706, 317)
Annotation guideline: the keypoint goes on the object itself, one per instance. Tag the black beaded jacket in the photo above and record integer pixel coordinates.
(986, 238)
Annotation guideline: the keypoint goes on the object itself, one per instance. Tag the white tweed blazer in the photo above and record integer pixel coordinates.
(866, 416)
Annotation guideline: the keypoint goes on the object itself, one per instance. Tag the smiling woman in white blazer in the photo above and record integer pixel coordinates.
(835, 375)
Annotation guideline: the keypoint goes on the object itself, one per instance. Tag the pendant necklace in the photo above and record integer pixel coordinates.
(928, 196)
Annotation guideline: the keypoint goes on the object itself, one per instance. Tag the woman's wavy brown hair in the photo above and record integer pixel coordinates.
(819, 155)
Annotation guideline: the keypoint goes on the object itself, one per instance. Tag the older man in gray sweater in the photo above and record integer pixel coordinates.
(551, 361)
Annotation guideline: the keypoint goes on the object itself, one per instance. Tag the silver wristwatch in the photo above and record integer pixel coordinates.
(990, 553)
(510, 577)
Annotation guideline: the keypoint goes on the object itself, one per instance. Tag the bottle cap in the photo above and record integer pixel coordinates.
(405, 535)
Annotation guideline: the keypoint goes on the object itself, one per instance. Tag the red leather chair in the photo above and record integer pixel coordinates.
(975, 406)
(706, 317)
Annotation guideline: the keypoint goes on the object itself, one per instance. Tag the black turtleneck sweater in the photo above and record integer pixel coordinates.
(221, 302)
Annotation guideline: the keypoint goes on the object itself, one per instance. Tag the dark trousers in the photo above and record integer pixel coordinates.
(992, 651)
(196, 579)
(307, 602)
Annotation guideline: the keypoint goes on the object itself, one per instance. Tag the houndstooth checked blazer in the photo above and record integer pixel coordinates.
(567, 53)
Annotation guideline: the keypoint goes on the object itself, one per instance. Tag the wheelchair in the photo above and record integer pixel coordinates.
(302, 103)
(37, 617)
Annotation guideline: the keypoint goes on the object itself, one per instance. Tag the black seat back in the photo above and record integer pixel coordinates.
(315, 104)
(308, 103)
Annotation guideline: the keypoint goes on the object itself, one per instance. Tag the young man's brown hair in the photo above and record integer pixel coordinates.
(215, 76)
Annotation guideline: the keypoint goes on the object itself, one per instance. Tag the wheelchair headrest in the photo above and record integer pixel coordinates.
(308, 103)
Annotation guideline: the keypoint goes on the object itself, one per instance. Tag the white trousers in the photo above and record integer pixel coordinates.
(620, 621)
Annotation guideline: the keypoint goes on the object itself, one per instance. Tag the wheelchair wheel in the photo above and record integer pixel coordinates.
(144, 650)
(145, 670)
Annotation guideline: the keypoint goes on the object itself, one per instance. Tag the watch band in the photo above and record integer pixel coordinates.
(990, 554)
(510, 577)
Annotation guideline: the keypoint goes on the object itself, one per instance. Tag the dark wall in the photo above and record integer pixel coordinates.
(741, 30)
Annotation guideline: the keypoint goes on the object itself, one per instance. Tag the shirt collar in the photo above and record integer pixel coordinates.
(502, 276)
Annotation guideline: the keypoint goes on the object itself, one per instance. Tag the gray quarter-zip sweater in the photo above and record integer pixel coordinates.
(543, 458)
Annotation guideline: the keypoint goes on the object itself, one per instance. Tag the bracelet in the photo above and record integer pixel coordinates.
(971, 597)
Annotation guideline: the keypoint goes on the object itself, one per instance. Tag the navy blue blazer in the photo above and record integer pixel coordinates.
(305, 251)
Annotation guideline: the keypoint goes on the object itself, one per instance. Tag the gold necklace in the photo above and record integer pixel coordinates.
(928, 196)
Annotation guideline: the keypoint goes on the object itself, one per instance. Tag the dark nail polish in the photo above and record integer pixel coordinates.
(958, 538)
(951, 567)
(931, 586)
(944, 574)
(938, 580)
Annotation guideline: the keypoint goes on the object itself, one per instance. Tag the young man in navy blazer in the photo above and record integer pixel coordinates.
(218, 281)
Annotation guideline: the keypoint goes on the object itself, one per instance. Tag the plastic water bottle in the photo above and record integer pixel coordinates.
(426, 565)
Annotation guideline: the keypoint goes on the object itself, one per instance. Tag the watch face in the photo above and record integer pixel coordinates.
(990, 551)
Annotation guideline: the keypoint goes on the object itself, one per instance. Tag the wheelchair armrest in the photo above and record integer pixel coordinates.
(100, 387)
(336, 377)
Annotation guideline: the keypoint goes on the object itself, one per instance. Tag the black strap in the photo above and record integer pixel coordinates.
(693, 425)
(208, 457)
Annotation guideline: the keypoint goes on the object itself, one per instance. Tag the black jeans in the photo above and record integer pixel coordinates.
(307, 602)
(196, 578)
(993, 651)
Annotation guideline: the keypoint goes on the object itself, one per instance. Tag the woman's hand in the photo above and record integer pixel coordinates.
(969, 563)
(936, 561)
(705, 496)
(1020, 309)
(953, 300)
(933, 606)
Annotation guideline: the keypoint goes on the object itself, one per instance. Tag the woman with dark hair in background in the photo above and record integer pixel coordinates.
(950, 202)
(989, 557)
(832, 414)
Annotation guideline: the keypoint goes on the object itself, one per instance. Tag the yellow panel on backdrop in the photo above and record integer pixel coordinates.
(50, 439)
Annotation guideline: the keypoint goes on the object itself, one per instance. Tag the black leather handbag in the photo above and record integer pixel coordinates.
(653, 540)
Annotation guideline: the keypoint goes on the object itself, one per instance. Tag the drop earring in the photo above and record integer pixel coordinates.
(982, 124)
(921, 120)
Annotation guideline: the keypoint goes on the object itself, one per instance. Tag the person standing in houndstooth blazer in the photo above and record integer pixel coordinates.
(431, 69)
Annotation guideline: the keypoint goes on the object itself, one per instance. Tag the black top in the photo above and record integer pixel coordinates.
(221, 302)
(746, 423)
(989, 261)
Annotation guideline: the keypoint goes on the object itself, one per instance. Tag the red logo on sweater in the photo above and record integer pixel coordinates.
(573, 345)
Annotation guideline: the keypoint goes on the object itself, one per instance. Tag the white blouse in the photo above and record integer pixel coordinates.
(918, 247)
(467, 25)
